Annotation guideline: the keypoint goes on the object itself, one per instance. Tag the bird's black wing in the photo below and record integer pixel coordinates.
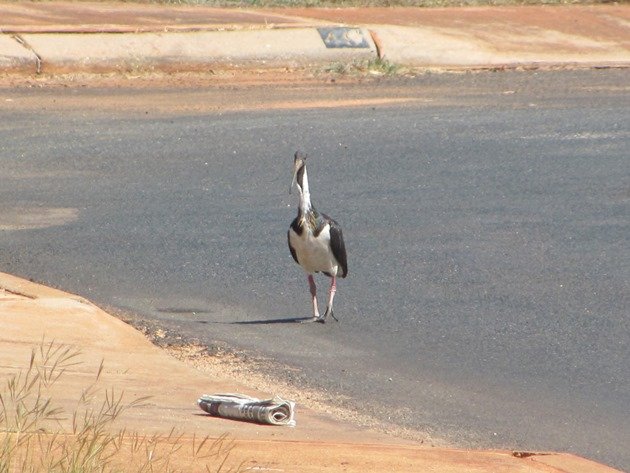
(294, 224)
(337, 245)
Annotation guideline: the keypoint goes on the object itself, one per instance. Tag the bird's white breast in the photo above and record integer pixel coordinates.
(314, 253)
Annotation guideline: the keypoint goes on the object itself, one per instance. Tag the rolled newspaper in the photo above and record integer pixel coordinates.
(274, 411)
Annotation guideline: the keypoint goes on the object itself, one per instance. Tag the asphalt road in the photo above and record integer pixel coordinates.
(486, 218)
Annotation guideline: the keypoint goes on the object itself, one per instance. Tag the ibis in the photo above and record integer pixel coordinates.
(315, 241)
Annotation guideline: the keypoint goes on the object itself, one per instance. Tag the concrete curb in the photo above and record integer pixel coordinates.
(449, 47)
(109, 52)
(34, 53)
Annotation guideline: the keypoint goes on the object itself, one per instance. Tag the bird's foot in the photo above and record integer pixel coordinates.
(320, 318)
(317, 318)
(326, 314)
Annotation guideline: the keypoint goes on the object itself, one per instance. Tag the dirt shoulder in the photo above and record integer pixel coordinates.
(602, 22)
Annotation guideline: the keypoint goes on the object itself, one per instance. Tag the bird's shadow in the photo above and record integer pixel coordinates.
(289, 320)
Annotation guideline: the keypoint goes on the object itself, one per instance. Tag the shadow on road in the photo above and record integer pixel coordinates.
(290, 320)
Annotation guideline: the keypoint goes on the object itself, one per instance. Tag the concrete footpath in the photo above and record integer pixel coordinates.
(54, 37)
(30, 313)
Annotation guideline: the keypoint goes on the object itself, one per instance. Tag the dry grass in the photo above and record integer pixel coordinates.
(32, 437)
(358, 3)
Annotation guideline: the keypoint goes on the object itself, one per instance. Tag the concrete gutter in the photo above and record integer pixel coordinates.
(30, 313)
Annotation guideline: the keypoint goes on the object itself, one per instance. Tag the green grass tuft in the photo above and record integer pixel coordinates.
(371, 67)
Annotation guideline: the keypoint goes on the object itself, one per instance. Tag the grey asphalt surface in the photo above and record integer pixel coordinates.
(487, 232)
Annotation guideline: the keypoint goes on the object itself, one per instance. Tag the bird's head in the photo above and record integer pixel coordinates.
(299, 167)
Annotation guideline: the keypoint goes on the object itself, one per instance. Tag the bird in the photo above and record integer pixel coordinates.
(315, 241)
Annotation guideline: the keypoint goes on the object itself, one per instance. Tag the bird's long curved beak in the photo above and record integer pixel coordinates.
(294, 180)
(296, 166)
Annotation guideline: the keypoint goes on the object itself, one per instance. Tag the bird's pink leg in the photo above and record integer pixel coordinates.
(311, 284)
(331, 296)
